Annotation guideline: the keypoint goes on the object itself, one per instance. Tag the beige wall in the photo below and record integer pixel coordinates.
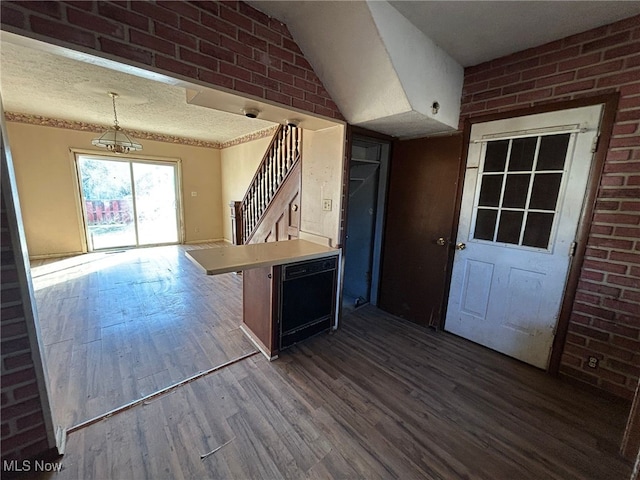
(322, 159)
(49, 196)
(239, 165)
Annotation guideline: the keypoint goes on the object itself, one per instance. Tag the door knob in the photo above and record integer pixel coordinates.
(461, 246)
(442, 241)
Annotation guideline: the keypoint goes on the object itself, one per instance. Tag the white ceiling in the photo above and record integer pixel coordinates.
(39, 83)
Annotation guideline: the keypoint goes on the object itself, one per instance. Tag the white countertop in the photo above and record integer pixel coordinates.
(244, 257)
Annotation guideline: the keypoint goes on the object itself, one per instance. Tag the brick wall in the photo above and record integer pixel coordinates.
(227, 44)
(23, 428)
(605, 321)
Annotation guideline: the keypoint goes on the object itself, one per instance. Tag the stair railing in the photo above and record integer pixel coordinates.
(280, 158)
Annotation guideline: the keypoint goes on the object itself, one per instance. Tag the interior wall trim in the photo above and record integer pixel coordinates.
(138, 134)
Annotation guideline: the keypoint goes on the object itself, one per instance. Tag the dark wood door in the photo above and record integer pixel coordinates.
(421, 206)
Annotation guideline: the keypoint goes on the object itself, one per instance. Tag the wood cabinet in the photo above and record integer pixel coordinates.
(260, 307)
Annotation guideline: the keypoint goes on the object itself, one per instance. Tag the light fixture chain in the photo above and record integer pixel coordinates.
(115, 114)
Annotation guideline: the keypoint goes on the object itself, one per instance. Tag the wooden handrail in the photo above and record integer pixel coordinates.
(281, 155)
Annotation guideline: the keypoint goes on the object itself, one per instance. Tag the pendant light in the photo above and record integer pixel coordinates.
(115, 139)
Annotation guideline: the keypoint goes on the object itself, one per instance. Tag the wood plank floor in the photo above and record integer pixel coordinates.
(381, 398)
(118, 326)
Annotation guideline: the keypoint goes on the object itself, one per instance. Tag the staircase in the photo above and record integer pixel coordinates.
(273, 191)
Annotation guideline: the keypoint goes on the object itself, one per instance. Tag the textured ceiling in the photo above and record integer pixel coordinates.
(39, 83)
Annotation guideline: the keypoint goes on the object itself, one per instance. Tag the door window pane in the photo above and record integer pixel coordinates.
(515, 192)
(544, 194)
(538, 230)
(496, 156)
(485, 224)
(490, 190)
(155, 187)
(522, 152)
(553, 151)
(509, 229)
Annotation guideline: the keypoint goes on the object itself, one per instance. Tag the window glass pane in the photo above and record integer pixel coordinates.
(522, 153)
(538, 230)
(544, 194)
(485, 224)
(509, 229)
(490, 191)
(515, 192)
(496, 156)
(553, 150)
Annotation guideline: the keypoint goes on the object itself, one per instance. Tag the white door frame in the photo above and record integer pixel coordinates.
(610, 105)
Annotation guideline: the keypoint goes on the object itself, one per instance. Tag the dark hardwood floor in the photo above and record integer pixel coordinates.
(118, 326)
(381, 398)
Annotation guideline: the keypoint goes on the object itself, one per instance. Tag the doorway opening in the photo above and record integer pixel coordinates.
(368, 171)
(128, 202)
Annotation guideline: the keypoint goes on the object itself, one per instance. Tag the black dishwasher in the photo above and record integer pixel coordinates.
(307, 299)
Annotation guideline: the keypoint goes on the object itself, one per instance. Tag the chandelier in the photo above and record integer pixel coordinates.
(115, 139)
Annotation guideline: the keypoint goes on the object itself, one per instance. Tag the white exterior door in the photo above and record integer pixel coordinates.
(523, 195)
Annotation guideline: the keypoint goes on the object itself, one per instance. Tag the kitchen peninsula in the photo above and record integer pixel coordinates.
(289, 288)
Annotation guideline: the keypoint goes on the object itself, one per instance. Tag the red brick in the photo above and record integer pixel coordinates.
(575, 87)
(592, 310)
(152, 42)
(215, 78)
(625, 128)
(619, 192)
(235, 18)
(25, 438)
(627, 232)
(18, 361)
(123, 15)
(199, 59)
(476, 87)
(630, 206)
(605, 42)
(590, 332)
(616, 328)
(176, 36)
(11, 16)
(634, 180)
(618, 155)
(282, 77)
(609, 349)
(612, 181)
(280, 27)
(586, 36)
(570, 359)
(248, 88)
(496, 92)
(217, 52)
(278, 97)
(252, 40)
(538, 72)
(631, 296)
(126, 51)
(623, 366)
(34, 449)
(14, 345)
(617, 218)
(611, 243)
(301, 104)
(219, 25)
(622, 51)
(558, 55)
(21, 409)
(235, 71)
(50, 9)
(629, 102)
(484, 75)
(555, 79)
(209, 6)
(302, 62)
(501, 102)
(322, 111)
(580, 375)
(601, 230)
(254, 14)
(628, 115)
(95, 23)
(252, 65)
(182, 8)
(263, 81)
(625, 24)
(176, 66)
(576, 339)
(293, 70)
(292, 91)
(611, 376)
(26, 391)
(291, 45)
(63, 32)
(618, 305)
(317, 100)
(518, 87)
(156, 12)
(581, 319)
(281, 53)
(600, 69)
(632, 321)
(596, 253)
(522, 65)
(268, 34)
(197, 30)
(534, 95)
(236, 46)
(581, 61)
(632, 61)
(624, 142)
(625, 257)
(626, 281)
(619, 79)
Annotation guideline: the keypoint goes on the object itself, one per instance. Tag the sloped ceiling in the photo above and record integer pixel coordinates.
(385, 63)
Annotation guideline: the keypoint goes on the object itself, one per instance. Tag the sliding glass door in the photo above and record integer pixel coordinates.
(128, 203)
